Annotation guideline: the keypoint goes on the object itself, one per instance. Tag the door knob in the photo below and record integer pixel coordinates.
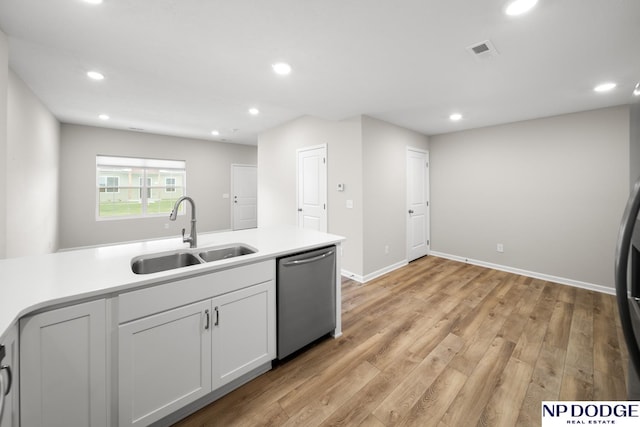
(299, 209)
(410, 211)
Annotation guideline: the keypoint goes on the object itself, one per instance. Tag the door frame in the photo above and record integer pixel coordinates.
(232, 188)
(427, 208)
(324, 226)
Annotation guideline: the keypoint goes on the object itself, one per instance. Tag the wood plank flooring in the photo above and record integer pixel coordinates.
(441, 343)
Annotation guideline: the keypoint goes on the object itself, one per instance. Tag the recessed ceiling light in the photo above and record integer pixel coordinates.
(636, 91)
(215, 133)
(254, 111)
(605, 87)
(103, 117)
(281, 68)
(93, 1)
(95, 75)
(455, 117)
(518, 7)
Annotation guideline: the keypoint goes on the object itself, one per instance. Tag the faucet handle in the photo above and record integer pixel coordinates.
(187, 239)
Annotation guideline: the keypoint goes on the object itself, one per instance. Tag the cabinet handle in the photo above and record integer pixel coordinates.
(9, 378)
(217, 317)
(1, 396)
(4, 392)
(206, 315)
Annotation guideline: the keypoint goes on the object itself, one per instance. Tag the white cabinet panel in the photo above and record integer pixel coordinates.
(244, 332)
(155, 299)
(164, 363)
(63, 367)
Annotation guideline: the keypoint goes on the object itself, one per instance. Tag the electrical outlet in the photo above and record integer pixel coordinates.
(386, 249)
(500, 247)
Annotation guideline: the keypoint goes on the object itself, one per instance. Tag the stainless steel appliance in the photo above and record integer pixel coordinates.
(628, 287)
(306, 298)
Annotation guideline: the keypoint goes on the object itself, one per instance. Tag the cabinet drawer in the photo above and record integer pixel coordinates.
(144, 302)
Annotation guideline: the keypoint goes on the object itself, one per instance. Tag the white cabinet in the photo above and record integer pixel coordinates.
(164, 363)
(179, 341)
(9, 408)
(63, 367)
(244, 336)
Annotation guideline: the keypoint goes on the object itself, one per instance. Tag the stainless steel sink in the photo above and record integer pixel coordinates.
(217, 254)
(155, 263)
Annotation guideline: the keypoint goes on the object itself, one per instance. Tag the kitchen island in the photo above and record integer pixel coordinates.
(127, 310)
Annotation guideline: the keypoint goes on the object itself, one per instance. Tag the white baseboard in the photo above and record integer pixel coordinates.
(353, 276)
(535, 275)
(375, 274)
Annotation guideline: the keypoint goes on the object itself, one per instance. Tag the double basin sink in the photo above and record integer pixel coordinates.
(154, 263)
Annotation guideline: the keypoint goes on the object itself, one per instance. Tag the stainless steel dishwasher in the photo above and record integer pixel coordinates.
(306, 298)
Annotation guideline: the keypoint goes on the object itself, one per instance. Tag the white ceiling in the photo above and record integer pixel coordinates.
(185, 67)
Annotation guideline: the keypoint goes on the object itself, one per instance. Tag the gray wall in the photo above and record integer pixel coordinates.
(29, 149)
(385, 190)
(4, 83)
(634, 146)
(277, 178)
(32, 173)
(551, 190)
(208, 178)
(364, 154)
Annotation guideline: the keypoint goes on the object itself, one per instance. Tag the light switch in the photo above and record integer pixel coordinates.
(225, 196)
(349, 204)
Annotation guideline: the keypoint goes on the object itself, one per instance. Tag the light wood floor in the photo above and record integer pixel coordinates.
(442, 343)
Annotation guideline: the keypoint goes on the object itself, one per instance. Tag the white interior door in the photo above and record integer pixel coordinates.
(417, 203)
(312, 188)
(244, 206)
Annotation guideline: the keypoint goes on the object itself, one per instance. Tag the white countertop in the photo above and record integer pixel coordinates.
(34, 283)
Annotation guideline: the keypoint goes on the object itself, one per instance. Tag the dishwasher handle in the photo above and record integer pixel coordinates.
(308, 260)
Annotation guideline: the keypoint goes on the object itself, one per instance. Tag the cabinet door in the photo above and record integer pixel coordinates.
(164, 363)
(244, 331)
(63, 367)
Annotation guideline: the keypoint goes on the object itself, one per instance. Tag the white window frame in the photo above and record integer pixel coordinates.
(179, 166)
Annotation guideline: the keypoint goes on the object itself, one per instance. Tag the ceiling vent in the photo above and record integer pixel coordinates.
(482, 50)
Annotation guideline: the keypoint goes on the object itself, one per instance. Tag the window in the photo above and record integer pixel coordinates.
(148, 187)
(108, 184)
(169, 185)
(131, 187)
